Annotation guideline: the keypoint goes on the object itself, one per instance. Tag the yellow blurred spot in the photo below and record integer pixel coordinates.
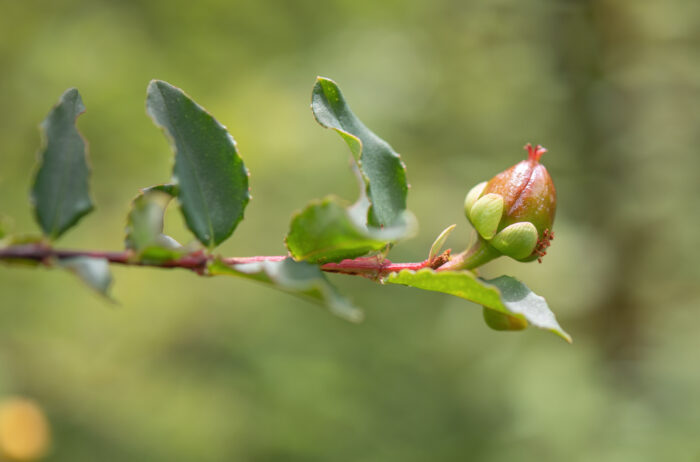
(24, 430)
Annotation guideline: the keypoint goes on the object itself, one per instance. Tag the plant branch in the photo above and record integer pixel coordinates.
(370, 267)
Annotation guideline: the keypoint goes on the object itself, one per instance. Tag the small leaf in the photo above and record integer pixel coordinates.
(297, 278)
(503, 294)
(60, 192)
(92, 271)
(210, 175)
(520, 301)
(436, 248)
(144, 230)
(326, 231)
(383, 171)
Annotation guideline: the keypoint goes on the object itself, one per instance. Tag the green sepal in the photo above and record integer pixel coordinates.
(472, 197)
(517, 240)
(486, 214)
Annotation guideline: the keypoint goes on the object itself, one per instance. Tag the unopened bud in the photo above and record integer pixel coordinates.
(514, 211)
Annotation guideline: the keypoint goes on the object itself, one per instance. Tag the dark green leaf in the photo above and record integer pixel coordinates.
(144, 228)
(382, 169)
(298, 278)
(326, 231)
(211, 178)
(92, 271)
(60, 193)
(504, 294)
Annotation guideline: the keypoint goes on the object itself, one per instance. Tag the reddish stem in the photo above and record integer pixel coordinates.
(371, 267)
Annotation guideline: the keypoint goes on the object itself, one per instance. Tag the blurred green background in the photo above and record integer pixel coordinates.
(188, 368)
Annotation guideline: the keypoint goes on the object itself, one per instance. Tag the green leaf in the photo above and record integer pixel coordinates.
(499, 321)
(170, 189)
(60, 193)
(92, 271)
(326, 231)
(211, 179)
(436, 248)
(144, 229)
(383, 171)
(504, 294)
(297, 278)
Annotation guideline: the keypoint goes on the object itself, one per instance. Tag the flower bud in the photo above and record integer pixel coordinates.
(514, 211)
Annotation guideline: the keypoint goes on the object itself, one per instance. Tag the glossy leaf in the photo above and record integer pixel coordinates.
(326, 231)
(144, 229)
(211, 179)
(60, 193)
(504, 294)
(297, 278)
(383, 171)
(92, 271)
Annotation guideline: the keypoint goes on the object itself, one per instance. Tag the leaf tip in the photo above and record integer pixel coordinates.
(157, 83)
(322, 79)
(563, 334)
(72, 96)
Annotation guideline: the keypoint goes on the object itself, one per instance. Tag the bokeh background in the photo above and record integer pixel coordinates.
(187, 368)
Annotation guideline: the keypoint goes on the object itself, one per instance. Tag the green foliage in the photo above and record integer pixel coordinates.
(211, 184)
(92, 271)
(211, 177)
(297, 278)
(144, 229)
(60, 192)
(501, 321)
(325, 232)
(382, 169)
(504, 294)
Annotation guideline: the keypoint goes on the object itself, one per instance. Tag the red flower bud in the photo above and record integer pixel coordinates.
(527, 190)
(514, 211)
